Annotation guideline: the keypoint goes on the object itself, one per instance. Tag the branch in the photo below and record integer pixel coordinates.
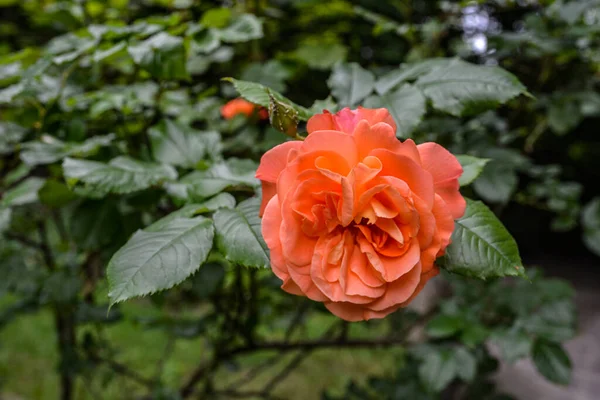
(124, 370)
(280, 377)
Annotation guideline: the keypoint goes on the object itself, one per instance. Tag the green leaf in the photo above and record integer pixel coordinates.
(51, 149)
(216, 17)
(552, 361)
(321, 105)
(239, 234)
(202, 184)
(177, 144)
(94, 224)
(590, 220)
(481, 246)
(120, 175)
(463, 88)
(445, 325)
(409, 72)
(55, 194)
(25, 192)
(10, 135)
(162, 55)
(5, 215)
(205, 42)
(497, 182)
(466, 364)
(156, 260)
(244, 28)
(407, 106)
(321, 55)
(259, 94)
(222, 200)
(271, 74)
(514, 344)
(438, 370)
(350, 83)
(472, 168)
(554, 321)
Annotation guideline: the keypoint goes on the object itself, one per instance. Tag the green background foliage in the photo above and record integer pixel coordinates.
(120, 179)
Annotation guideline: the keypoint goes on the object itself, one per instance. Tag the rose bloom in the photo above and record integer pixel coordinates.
(241, 106)
(353, 217)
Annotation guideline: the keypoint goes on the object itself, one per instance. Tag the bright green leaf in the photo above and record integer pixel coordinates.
(239, 234)
(472, 168)
(481, 246)
(156, 260)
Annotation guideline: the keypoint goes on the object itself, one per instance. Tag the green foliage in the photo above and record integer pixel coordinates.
(120, 179)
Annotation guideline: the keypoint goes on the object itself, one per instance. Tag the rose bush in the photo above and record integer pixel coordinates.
(355, 218)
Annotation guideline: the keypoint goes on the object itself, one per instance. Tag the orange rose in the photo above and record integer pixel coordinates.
(355, 218)
(241, 106)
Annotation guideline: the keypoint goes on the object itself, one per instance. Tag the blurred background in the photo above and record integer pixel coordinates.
(75, 69)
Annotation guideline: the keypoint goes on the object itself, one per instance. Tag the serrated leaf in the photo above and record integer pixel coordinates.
(552, 361)
(472, 167)
(120, 175)
(259, 94)
(407, 106)
(222, 200)
(244, 28)
(239, 234)
(481, 246)
(497, 182)
(25, 192)
(465, 88)
(409, 72)
(156, 260)
(162, 55)
(350, 83)
(51, 149)
(177, 144)
(228, 174)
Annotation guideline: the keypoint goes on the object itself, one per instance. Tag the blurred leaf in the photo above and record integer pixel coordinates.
(272, 74)
(177, 144)
(438, 370)
(444, 326)
(216, 17)
(94, 224)
(239, 234)
(5, 214)
(25, 192)
(552, 361)
(514, 344)
(462, 89)
(350, 83)
(497, 182)
(472, 168)
(259, 94)
(466, 364)
(321, 105)
(590, 220)
(554, 321)
(481, 246)
(321, 55)
(51, 149)
(120, 175)
(162, 55)
(10, 134)
(407, 106)
(244, 28)
(564, 115)
(156, 260)
(55, 194)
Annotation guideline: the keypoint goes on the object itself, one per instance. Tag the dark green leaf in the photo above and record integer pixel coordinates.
(554, 321)
(444, 326)
(51, 149)
(321, 55)
(350, 83)
(514, 344)
(496, 183)
(162, 55)
(552, 361)
(55, 194)
(409, 72)
(156, 260)
(239, 234)
(94, 224)
(472, 168)
(481, 246)
(590, 220)
(407, 106)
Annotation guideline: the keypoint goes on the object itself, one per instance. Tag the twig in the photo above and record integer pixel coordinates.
(296, 321)
(44, 247)
(124, 371)
(253, 373)
(23, 240)
(280, 377)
